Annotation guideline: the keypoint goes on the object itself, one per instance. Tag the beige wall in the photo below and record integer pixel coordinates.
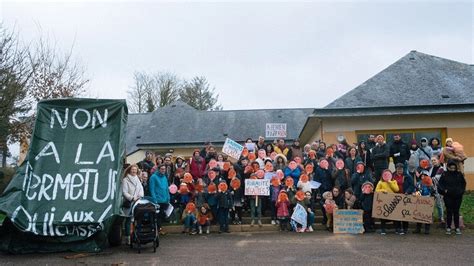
(459, 127)
(186, 152)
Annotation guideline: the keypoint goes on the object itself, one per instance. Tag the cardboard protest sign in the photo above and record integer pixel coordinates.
(348, 222)
(275, 130)
(402, 207)
(314, 184)
(250, 146)
(68, 188)
(232, 148)
(257, 187)
(300, 215)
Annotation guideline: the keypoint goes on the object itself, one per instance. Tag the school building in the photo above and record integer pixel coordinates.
(418, 96)
(178, 128)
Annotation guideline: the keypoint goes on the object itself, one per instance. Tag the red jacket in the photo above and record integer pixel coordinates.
(282, 208)
(197, 169)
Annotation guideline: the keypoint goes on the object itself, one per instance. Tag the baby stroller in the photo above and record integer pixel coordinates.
(144, 227)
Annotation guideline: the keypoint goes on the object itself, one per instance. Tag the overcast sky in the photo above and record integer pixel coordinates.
(257, 55)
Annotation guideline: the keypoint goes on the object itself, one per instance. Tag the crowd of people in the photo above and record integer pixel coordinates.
(208, 188)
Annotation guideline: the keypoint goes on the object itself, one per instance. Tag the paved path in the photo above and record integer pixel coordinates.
(281, 248)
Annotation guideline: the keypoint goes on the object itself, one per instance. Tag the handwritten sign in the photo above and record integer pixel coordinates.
(402, 207)
(275, 130)
(232, 148)
(348, 222)
(300, 215)
(257, 187)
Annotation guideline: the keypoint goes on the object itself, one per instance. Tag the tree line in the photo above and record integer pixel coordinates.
(151, 91)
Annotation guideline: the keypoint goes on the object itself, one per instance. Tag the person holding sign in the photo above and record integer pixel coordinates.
(424, 188)
(406, 186)
(386, 185)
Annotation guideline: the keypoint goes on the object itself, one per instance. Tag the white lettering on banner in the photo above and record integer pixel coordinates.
(48, 228)
(257, 187)
(96, 116)
(275, 130)
(232, 148)
(54, 152)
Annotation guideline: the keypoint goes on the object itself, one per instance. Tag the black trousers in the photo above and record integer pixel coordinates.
(453, 204)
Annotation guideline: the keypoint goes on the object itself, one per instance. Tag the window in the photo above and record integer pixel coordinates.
(407, 135)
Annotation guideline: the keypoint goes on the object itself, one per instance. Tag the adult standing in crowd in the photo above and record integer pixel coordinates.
(400, 152)
(435, 145)
(457, 156)
(380, 155)
(281, 148)
(425, 152)
(452, 186)
(435, 171)
(261, 143)
(295, 150)
(197, 165)
(147, 163)
(351, 161)
(132, 190)
(321, 152)
(365, 154)
(371, 142)
(169, 167)
(159, 191)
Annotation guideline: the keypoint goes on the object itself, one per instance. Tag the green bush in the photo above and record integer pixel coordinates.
(467, 207)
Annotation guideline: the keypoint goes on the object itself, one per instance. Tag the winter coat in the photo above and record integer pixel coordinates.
(305, 187)
(295, 174)
(339, 201)
(424, 189)
(452, 184)
(295, 151)
(146, 166)
(449, 154)
(238, 196)
(324, 177)
(389, 187)
(425, 153)
(380, 155)
(400, 152)
(274, 191)
(406, 184)
(351, 164)
(159, 188)
(224, 200)
(211, 199)
(203, 218)
(131, 188)
(366, 201)
(340, 179)
(283, 208)
(199, 199)
(197, 168)
(358, 179)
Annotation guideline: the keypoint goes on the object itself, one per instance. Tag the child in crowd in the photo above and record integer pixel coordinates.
(199, 197)
(386, 185)
(366, 201)
(224, 203)
(211, 199)
(349, 199)
(189, 219)
(424, 188)
(283, 210)
(204, 218)
(405, 186)
(185, 196)
(304, 184)
(329, 205)
(274, 193)
(174, 202)
(238, 201)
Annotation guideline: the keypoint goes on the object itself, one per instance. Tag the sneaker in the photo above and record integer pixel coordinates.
(193, 232)
(273, 222)
(252, 223)
(401, 233)
(127, 239)
(448, 231)
(260, 223)
(383, 232)
(458, 231)
(310, 228)
(200, 231)
(207, 231)
(397, 231)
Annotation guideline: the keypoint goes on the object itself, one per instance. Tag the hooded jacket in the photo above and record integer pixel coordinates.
(452, 184)
(358, 179)
(380, 155)
(159, 188)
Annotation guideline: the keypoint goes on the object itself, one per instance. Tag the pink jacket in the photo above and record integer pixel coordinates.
(282, 209)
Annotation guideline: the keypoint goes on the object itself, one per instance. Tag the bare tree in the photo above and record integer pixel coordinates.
(56, 74)
(139, 94)
(15, 73)
(198, 94)
(167, 86)
(152, 91)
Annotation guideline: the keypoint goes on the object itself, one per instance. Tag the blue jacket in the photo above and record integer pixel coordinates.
(295, 174)
(159, 188)
(359, 179)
